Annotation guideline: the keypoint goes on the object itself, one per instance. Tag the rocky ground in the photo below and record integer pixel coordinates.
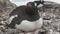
(50, 11)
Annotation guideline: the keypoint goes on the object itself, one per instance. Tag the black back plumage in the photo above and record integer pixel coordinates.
(24, 13)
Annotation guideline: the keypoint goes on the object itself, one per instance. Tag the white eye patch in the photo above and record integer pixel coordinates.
(40, 5)
(35, 4)
(11, 18)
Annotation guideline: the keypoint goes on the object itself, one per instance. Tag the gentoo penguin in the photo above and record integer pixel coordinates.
(26, 18)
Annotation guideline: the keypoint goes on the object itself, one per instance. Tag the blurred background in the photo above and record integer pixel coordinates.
(50, 11)
(23, 2)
